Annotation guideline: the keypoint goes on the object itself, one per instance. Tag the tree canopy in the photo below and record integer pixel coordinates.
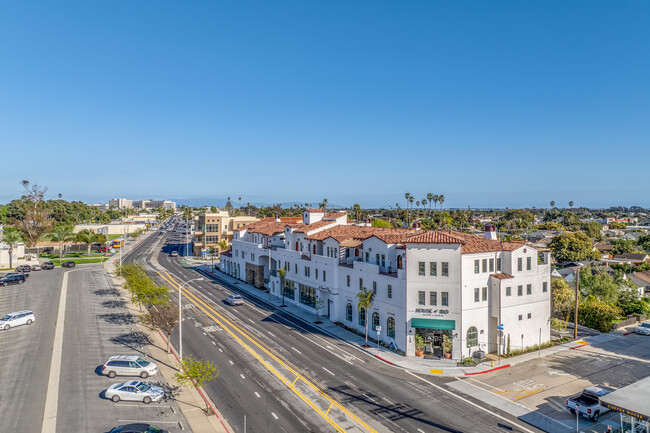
(570, 247)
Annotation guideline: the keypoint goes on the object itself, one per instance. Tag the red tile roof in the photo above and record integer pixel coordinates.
(501, 276)
(264, 227)
(318, 224)
(227, 253)
(334, 215)
(643, 275)
(315, 210)
(292, 220)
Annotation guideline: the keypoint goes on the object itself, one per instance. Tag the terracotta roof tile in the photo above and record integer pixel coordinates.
(501, 276)
(334, 215)
(643, 275)
(267, 228)
(292, 220)
(318, 224)
(315, 210)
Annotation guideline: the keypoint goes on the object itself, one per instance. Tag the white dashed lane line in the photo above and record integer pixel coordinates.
(242, 376)
(271, 334)
(328, 371)
(274, 415)
(296, 350)
(231, 363)
(257, 394)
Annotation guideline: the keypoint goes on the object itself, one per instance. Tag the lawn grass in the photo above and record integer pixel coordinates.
(79, 261)
(117, 236)
(78, 255)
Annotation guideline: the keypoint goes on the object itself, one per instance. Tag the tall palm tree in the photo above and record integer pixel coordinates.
(281, 274)
(430, 200)
(435, 199)
(365, 298)
(62, 234)
(407, 196)
(424, 205)
(87, 237)
(11, 238)
(441, 199)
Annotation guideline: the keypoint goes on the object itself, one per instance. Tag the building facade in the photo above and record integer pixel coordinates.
(475, 291)
(120, 203)
(212, 228)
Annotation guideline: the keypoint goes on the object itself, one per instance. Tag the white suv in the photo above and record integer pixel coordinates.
(126, 365)
(18, 318)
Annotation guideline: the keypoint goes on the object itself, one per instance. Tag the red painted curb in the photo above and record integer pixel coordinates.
(488, 371)
(627, 333)
(385, 360)
(578, 347)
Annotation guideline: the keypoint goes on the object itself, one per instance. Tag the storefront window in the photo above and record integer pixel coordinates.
(289, 290)
(362, 317)
(375, 320)
(348, 312)
(307, 295)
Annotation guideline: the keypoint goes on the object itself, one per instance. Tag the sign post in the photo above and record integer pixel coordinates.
(500, 329)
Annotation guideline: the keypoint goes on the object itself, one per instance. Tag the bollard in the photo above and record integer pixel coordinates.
(492, 363)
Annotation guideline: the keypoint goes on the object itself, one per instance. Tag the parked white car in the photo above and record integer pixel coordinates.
(36, 267)
(18, 318)
(129, 365)
(643, 329)
(134, 390)
(235, 300)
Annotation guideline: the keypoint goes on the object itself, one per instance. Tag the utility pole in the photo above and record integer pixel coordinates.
(575, 312)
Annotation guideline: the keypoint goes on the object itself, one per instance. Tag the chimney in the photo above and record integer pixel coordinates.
(490, 232)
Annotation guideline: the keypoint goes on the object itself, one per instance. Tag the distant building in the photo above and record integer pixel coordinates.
(121, 203)
(154, 204)
(212, 228)
(100, 206)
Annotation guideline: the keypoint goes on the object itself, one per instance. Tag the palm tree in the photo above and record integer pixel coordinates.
(571, 204)
(365, 298)
(11, 238)
(441, 199)
(223, 245)
(62, 234)
(87, 237)
(430, 200)
(407, 196)
(281, 274)
(424, 205)
(436, 197)
(552, 203)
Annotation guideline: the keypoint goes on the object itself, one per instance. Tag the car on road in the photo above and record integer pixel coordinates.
(137, 428)
(173, 254)
(24, 268)
(36, 267)
(587, 403)
(103, 249)
(235, 300)
(12, 279)
(47, 265)
(643, 329)
(69, 264)
(129, 365)
(18, 318)
(134, 390)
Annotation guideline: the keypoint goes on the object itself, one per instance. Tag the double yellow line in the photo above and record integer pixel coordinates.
(230, 328)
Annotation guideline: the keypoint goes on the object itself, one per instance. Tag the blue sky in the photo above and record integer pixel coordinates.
(493, 104)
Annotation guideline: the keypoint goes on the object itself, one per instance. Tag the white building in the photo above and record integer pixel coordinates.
(120, 203)
(427, 283)
(154, 204)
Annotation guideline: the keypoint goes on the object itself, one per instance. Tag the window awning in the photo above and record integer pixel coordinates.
(433, 324)
(351, 243)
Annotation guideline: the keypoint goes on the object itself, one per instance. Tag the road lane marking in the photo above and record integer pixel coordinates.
(242, 376)
(231, 363)
(52, 397)
(257, 395)
(214, 344)
(270, 333)
(328, 371)
(233, 330)
(296, 350)
(274, 415)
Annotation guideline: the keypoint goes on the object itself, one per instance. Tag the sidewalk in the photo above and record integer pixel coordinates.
(191, 401)
(441, 367)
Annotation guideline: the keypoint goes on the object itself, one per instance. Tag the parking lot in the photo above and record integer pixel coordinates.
(543, 385)
(97, 325)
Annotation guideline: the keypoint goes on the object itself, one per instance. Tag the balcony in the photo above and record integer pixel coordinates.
(305, 256)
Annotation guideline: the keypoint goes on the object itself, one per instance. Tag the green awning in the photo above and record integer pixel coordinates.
(434, 324)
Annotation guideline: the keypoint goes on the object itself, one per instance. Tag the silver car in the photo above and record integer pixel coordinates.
(18, 318)
(129, 365)
(134, 390)
(643, 329)
(235, 300)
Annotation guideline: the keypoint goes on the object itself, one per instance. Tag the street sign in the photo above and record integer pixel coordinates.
(378, 329)
(500, 327)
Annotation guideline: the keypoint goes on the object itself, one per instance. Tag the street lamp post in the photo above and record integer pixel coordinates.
(180, 319)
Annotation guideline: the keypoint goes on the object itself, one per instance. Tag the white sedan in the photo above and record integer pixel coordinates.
(134, 390)
(643, 330)
(235, 300)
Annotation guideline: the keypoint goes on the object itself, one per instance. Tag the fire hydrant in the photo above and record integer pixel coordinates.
(492, 363)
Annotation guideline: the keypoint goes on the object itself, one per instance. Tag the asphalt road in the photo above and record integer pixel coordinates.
(259, 347)
(26, 351)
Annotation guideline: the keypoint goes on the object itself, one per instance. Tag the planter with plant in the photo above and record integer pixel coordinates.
(419, 345)
(446, 346)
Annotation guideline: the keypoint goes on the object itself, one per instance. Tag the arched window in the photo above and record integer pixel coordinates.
(375, 320)
(390, 327)
(362, 316)
(348, 312)
(399, 262)
(472, 337)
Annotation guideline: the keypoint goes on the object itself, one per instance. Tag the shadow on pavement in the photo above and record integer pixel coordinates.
(118, 318)
(114, 304)
(107, 292)
(132, 340)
